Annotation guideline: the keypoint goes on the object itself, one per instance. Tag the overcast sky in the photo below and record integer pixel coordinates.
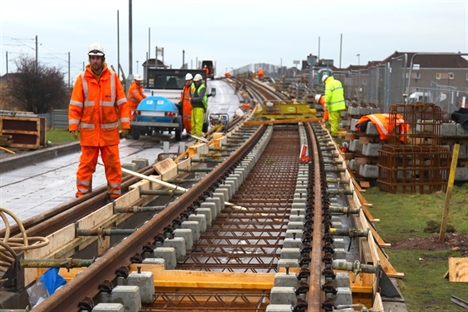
(231, 33)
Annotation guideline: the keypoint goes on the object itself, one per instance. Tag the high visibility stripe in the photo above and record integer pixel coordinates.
(115, 185)
(125, 119)
(76, 103)
(379, 124)
(87, 125)
(83, 190)
(109, 125)
(121, 101)
(105, 103)
(73, 121)
(85, 86)
(89, 103)
(83, 182)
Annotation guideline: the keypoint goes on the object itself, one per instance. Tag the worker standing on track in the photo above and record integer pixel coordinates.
(186, 104)
(334, 102)
(135, 92)
(97, 105)
(199, 100)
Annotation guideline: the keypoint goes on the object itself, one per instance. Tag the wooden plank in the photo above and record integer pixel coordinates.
(164, 166)
(56, 241)
(458, 269)
(387, 266)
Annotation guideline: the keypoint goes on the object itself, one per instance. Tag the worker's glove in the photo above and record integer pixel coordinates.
(75, 134)
(124, 133)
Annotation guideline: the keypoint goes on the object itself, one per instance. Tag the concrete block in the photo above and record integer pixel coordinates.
(371, 149)
(201, 219)
(343, 296)
(207, 213)
(296, 218)
(187, 235)
(353, 110)
(212, 206)
(295, 225)
(369, 171)
(222, 196)
(342, 279)
(355, 145)
(294, 234)
(364, 111)
(286, 280)
(338, 242)
(140, 163)
(128, 166)
(217, 200)
(178, 243)
(108, 307)
(194, 226)
(340, 254)
(283, 295)
(448, 129)
(292, 243)
(462, 151)
(130, 295)
(145, 281)
(169, 256)
(461, 131)
(371, 129)
(154, 261)
(288, 263)
(279, 308)
(461, 174)
(234, 180)
(298, 208)
(290, 253)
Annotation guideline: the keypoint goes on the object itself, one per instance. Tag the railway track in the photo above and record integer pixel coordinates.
(274, 222)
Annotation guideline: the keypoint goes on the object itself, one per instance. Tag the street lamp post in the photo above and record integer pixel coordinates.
(359, 76)
(137, 67)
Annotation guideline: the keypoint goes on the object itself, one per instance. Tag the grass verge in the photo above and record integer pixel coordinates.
(403, 217)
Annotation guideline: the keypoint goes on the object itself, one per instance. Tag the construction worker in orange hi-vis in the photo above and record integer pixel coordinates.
(260, 73)
(207, 71)
(97, 105)
(135, 92)
(186, 103)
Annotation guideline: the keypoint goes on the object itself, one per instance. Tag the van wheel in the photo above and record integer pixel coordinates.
(135, 133)
(179, 130)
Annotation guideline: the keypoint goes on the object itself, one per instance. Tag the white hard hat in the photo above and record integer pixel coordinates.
(138, 77)
(317, 97)
(96, 49)
(188, 76)
(324, 78)
(197, 77)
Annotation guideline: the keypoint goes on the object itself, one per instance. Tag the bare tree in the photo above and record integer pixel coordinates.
(38, 90)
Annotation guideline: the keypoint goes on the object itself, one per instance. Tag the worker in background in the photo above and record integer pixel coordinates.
(186, 104)
(135, 92)
(97, 105)
(199, 100)
(260, 73)
(334, 102)
(320, 99)
(207, 71)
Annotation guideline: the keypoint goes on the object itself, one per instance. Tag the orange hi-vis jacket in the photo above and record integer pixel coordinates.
(385, 126)
(260, 73)
(135, 95)
(96, 106)
(187, 106)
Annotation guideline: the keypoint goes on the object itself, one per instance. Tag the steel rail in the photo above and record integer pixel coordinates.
(86, 284)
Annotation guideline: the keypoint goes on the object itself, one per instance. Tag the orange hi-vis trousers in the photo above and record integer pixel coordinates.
(87, 166)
